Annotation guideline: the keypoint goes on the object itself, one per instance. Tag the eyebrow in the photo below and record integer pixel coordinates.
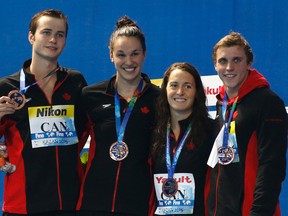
(49, 29)
(185, 83)
(132, 50)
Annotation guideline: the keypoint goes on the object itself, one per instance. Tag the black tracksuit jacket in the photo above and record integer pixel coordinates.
(47, 178)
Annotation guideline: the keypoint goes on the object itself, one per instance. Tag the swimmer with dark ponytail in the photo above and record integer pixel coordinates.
(118, 179)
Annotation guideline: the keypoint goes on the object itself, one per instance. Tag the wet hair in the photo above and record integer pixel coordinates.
(200, 110)
(50, 13)
(234, 39)
(128, 28)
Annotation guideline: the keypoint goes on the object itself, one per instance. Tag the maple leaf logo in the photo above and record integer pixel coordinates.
(66, 96)
(190, 146)
(145, 110)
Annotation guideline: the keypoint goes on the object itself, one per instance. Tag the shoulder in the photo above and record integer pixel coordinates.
(71, 72)
(153, 89)
(74, 77)
(265, 104)
(264, 96)
(100, 87)
(8, 83)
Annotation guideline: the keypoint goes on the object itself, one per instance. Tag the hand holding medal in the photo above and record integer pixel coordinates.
(17, 99)
(6, 106)
(17, 96)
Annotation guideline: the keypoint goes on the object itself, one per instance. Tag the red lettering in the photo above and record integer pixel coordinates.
(212, 91)
(188, 180)
(159, 179)
(181, 179)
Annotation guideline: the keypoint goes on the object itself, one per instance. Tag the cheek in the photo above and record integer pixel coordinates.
(192, 96)
(219, 68)
(64, 42)
(140, 61)
(220, 65)
(169, 95)
(116, 62)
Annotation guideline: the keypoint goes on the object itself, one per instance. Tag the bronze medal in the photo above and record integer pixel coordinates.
(17, 98)
(169, 187)
(226, 155)
(118, 151)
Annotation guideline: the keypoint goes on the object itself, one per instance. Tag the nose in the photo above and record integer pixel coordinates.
(53, 39)
(230, 65)
(180, 91)
(129, 60)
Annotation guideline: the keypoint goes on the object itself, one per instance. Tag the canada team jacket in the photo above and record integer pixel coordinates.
(46, 178)
(118, 186)
(192, 159)
(252, 185)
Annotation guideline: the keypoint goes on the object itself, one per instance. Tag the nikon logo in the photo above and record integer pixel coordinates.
(51, 112)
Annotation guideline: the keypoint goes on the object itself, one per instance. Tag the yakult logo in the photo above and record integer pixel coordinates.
(211, 90)
(212, 86)
(182, 179)
(180, 194)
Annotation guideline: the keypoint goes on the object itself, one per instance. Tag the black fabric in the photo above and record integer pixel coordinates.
(127, 183)
(53, 213)
(262, 114)
(192, 159)
(45, 177)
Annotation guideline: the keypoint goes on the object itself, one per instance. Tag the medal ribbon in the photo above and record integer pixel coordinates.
(24, 89)
(171, 168)
(120, 127)
(227, 124)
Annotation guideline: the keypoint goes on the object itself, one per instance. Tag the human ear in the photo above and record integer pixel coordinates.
(31, 37)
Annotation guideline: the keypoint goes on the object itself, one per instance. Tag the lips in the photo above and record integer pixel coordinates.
(229, 75)
(130, 69)
(52, 48)
(179, 99)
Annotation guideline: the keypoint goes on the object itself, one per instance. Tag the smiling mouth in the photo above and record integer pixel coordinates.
(130, 69)
(229, 75)
(52, 48)
(179, 99)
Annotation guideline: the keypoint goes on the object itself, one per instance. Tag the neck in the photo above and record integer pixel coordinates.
(178, 116)
(126, 89)
(175, 118)
(231, 94)
(41, 69)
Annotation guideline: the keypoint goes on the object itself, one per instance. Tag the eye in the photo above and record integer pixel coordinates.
(173, 85)
(60, 35)
(222, 61)
(188, 86)
(120, 55)
(237, 60)
(46, 32)
(135, 54)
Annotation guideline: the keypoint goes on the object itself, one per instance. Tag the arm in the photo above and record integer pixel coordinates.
(6, 106)
(272, 147)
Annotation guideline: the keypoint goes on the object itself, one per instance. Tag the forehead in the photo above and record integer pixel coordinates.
(47, 22)
(229, 52)
(127, 43)
(178, 75)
